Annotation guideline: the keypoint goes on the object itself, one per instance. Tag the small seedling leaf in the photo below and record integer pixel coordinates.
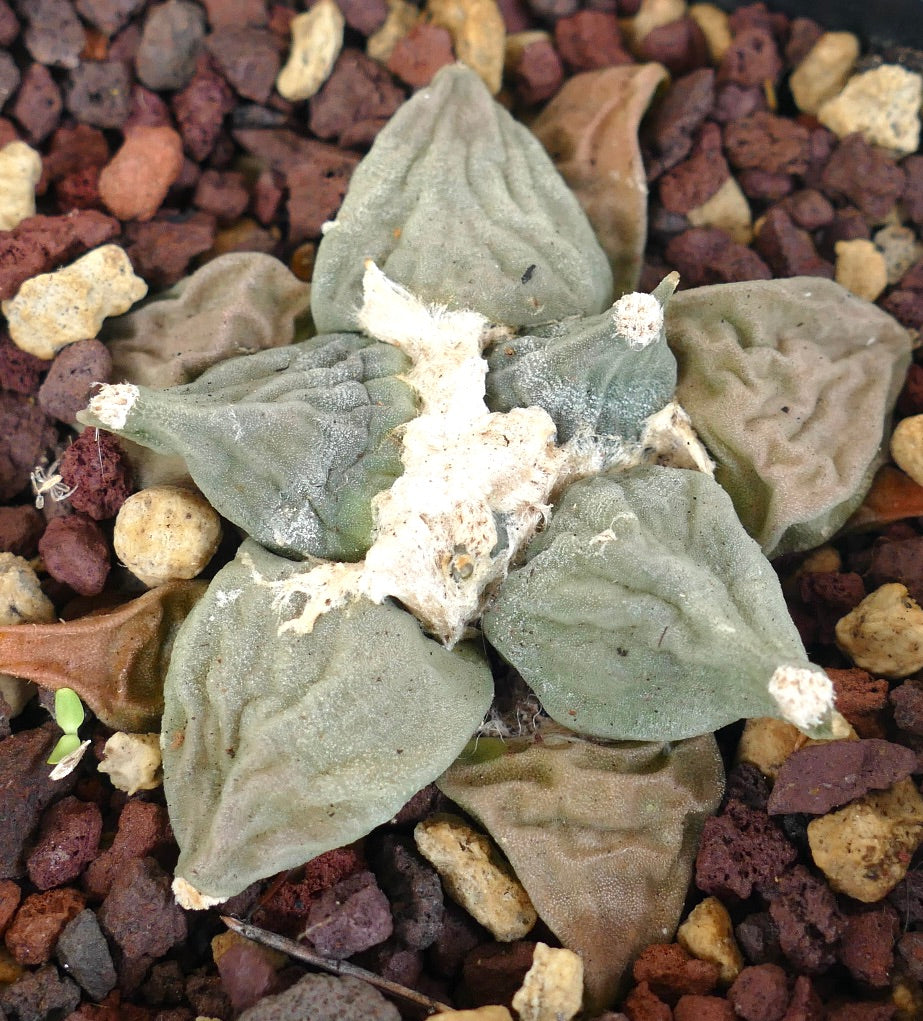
(67, 745)
(68, 712)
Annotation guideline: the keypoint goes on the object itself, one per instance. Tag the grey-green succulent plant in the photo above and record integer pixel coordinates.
(469, 451)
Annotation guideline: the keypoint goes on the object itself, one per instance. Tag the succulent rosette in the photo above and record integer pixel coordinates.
(484, 446)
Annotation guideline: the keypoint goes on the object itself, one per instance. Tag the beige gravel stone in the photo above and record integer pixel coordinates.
(767, 742)
(491, 1013)
(317, 38)
(476, 876)
(715, 27)
(651, 14)
(907, 447)
(478, 35)
(20, 169)
(552, 989)
(824, 71)
(864, 848)
(708, 934)
(166, 533)
(883, 104)
(53, 310)
(22, 600)
(884, 633)
(402, 16)
(728, 210)
(860, 268)
(133, 762)
(900, 248)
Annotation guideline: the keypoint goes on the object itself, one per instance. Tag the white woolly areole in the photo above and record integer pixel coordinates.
(475, 485)
(112, 404)
(638, 318)
(188, 897)
(804, 696)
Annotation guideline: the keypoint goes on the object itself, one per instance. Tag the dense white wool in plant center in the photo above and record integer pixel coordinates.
(638, 317)
(112, 404)
(804, 696)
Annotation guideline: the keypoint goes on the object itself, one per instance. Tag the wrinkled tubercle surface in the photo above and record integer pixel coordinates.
(280, 745)
(460, 204)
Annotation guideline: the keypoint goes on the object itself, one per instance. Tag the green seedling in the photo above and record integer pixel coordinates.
(69, 715)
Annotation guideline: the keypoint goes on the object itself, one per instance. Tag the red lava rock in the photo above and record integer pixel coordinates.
(223, 193)
(139, 911)
(20, 529)
(733, 101)
(54, 36)
(803, 35)
(861, 699)
(38, 103)
(100, 93)
(669, 128)
(819, 778)
(679, 45)
(164, 984)
(830, 595)
(589, 40)
(907, 702)
(763, 141)
(671, 972)
(143, 831)
(553, 10)
(349, 917)
(9, 25)
(267, 194)
(365, 16)
(703, 1008)
(789, 251)
(10, 895)
(76, 553)
(36, 926)
(135, 181)
(161, 250)
(414, 890)
(20, 371)
(900, 561)
(910, 401)
(79, 189)
(25, 437)
(706, 255)
(357, 99)
(758, 936)
(99, 473)
(41, 243)
(70, 380)
(247, 974)
(752, 59)
(861, 1012)
(206, 995)
(912, 194)
(248, 58)
(67, 841)
(642, 1004)
(810, 924)
(741, 849)
(867, 944)
(9, 78)
(906, 307)
(146, 108)
(418, 56)
(809, 209)
(200, 109)
(494, 971)
(693, 181)
(316, 189)
(760, 993)
(230, 13)
(764, 185)
(847, 225)
(109, 16)
(864, 175)
(804, 1004)
(40, 994)
(747, 784)
(910, 947)
(459, 934)
(395, 962)
(169, 45)
(537, 73)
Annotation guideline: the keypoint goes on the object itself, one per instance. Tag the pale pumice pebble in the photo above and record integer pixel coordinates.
(475, 876)
(907, 447)
(865, 848)
(490, 1013)
(20, 170)
(767, 742)
(651, 14)
(715, 27)
(166, 533)
(860, 268)
(133, 762)
(708, 934)
(478, 35)
(728, 210)
(401, 18)
(824, 70)
(552, 989)
(22, 601)
(883, 104)
(317, 38)
(884, 633)
(52, 310)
